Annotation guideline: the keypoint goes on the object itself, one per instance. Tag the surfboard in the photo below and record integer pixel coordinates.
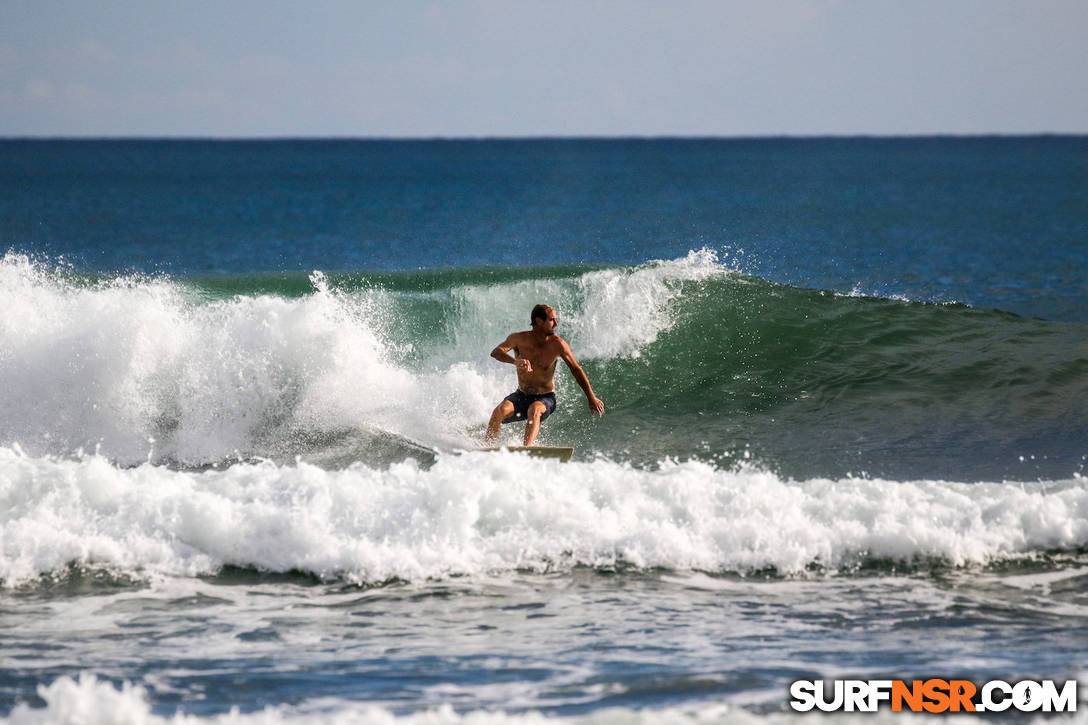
(563, 453)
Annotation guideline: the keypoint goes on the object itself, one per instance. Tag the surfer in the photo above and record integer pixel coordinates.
(535, 353)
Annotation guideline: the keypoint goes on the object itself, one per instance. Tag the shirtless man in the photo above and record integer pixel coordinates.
(535, 353)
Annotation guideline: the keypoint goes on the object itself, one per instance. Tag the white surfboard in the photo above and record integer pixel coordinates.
(563, 453)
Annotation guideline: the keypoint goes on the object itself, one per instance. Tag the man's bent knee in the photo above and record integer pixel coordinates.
(503, 410)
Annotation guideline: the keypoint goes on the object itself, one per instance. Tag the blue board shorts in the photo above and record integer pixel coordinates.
(522, 401)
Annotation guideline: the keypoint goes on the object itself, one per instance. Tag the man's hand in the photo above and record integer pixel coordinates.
(596, 406)
(524, 364)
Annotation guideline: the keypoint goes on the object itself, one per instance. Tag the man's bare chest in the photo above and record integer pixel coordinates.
(539, 356)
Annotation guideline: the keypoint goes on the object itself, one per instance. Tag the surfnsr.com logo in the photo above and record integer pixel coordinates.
(933, 695)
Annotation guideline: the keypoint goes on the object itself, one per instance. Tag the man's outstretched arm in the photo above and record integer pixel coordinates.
(596, 406)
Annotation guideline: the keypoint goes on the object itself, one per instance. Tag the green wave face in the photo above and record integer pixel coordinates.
(814, 384)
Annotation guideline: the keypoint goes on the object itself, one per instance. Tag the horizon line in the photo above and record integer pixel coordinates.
(533, 137)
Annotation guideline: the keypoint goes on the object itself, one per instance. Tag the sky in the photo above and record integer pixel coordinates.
(487, 68)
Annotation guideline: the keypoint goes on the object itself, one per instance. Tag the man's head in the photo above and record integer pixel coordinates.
(542, 313)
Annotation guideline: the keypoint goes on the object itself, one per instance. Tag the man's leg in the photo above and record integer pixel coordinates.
(502, 410)
(532, 421)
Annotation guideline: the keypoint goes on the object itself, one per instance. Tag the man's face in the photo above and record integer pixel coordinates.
(549, 322)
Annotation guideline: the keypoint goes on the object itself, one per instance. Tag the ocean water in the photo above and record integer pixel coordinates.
(242, 385)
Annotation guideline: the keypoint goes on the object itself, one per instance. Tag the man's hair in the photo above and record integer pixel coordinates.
(539, 312)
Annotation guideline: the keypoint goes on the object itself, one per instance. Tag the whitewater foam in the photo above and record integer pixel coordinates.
(481, 513)
(144, 369)
(89, 701)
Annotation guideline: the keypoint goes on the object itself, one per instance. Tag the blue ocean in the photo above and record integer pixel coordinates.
(244, 386)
